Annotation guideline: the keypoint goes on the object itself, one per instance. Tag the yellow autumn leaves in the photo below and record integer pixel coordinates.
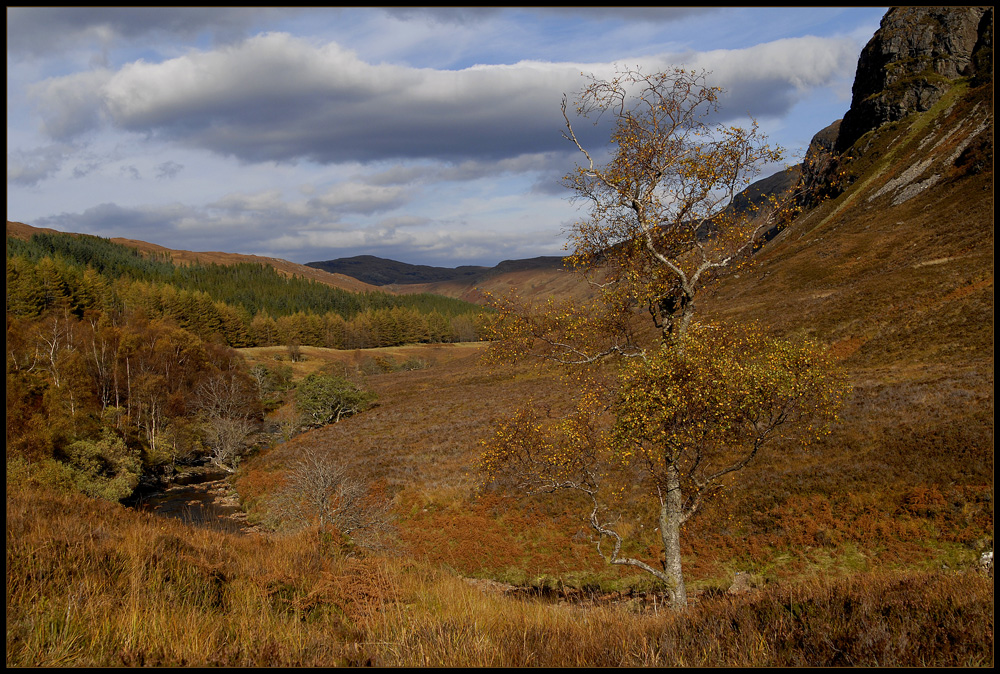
(704, 405)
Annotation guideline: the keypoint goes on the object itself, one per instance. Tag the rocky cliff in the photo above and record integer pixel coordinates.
(914, 57)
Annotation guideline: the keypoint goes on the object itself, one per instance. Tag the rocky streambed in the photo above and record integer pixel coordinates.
(198, 495)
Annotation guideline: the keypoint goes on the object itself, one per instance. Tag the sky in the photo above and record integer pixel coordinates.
(424, 135)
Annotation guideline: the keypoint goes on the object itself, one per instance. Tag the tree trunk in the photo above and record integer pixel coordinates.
(671, 511)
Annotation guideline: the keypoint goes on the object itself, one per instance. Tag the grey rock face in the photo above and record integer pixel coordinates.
(819, 169)
(911, 61)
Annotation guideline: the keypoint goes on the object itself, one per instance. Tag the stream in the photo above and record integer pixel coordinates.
(200, 497)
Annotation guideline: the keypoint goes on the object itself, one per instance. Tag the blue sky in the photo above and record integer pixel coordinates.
(426, 135)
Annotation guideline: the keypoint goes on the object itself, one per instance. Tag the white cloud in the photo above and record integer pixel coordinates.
(353, 197)
(275, 97)
(71, 105)
(425, 134)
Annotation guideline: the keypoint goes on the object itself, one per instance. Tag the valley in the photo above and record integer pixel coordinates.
(862, 547)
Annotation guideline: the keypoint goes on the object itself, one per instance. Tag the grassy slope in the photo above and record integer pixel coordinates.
(91, 584)
(535, 283)
(906, 480)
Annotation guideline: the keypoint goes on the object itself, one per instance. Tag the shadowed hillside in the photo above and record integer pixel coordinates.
(537, 277)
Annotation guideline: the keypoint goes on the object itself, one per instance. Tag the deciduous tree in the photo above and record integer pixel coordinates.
(229, 405)
(324, 399)
(667, 408)
(320, 493)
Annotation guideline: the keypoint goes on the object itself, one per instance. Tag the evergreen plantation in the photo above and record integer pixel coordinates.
(244, 304)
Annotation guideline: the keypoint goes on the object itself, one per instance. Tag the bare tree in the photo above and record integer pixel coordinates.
(229, 406)
(319, 493)
(294, 350)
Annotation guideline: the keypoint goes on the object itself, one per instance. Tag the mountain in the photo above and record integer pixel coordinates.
(543, 276)
(538, 276)
(857, 549)
(895, 269)
(916, 55)
(379, 271)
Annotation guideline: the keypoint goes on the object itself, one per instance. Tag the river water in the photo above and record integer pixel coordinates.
(199, 497)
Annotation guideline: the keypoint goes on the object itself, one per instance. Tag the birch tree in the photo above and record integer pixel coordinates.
(668, 410)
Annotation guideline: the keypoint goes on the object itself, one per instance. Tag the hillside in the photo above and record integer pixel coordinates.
(23, 231)
(239, 303)
(382, 272)
(898, 269)
(894, 272)
(535, 283)
(538, 277)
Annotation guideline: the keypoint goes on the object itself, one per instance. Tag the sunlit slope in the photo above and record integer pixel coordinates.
(898, 270)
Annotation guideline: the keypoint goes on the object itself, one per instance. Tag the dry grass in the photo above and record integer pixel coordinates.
(843, 505)
(90, 584)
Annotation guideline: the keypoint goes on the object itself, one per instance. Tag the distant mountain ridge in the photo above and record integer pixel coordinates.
(379, 271)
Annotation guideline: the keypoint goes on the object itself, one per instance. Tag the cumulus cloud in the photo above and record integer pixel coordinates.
(168, 169)
(466, 15)
(353, 197)
(767, 79)
(130, 171)
(111, 220)
(84, 169)
(72, 105)
(328, 207)
(548, 163)
(419, 241)
(372, 132)
(339, 222)
(275, 97)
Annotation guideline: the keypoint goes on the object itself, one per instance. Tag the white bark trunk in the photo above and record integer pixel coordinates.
(671, 518)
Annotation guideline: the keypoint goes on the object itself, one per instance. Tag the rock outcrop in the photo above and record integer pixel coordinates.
(912, 60)
(820, 168)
